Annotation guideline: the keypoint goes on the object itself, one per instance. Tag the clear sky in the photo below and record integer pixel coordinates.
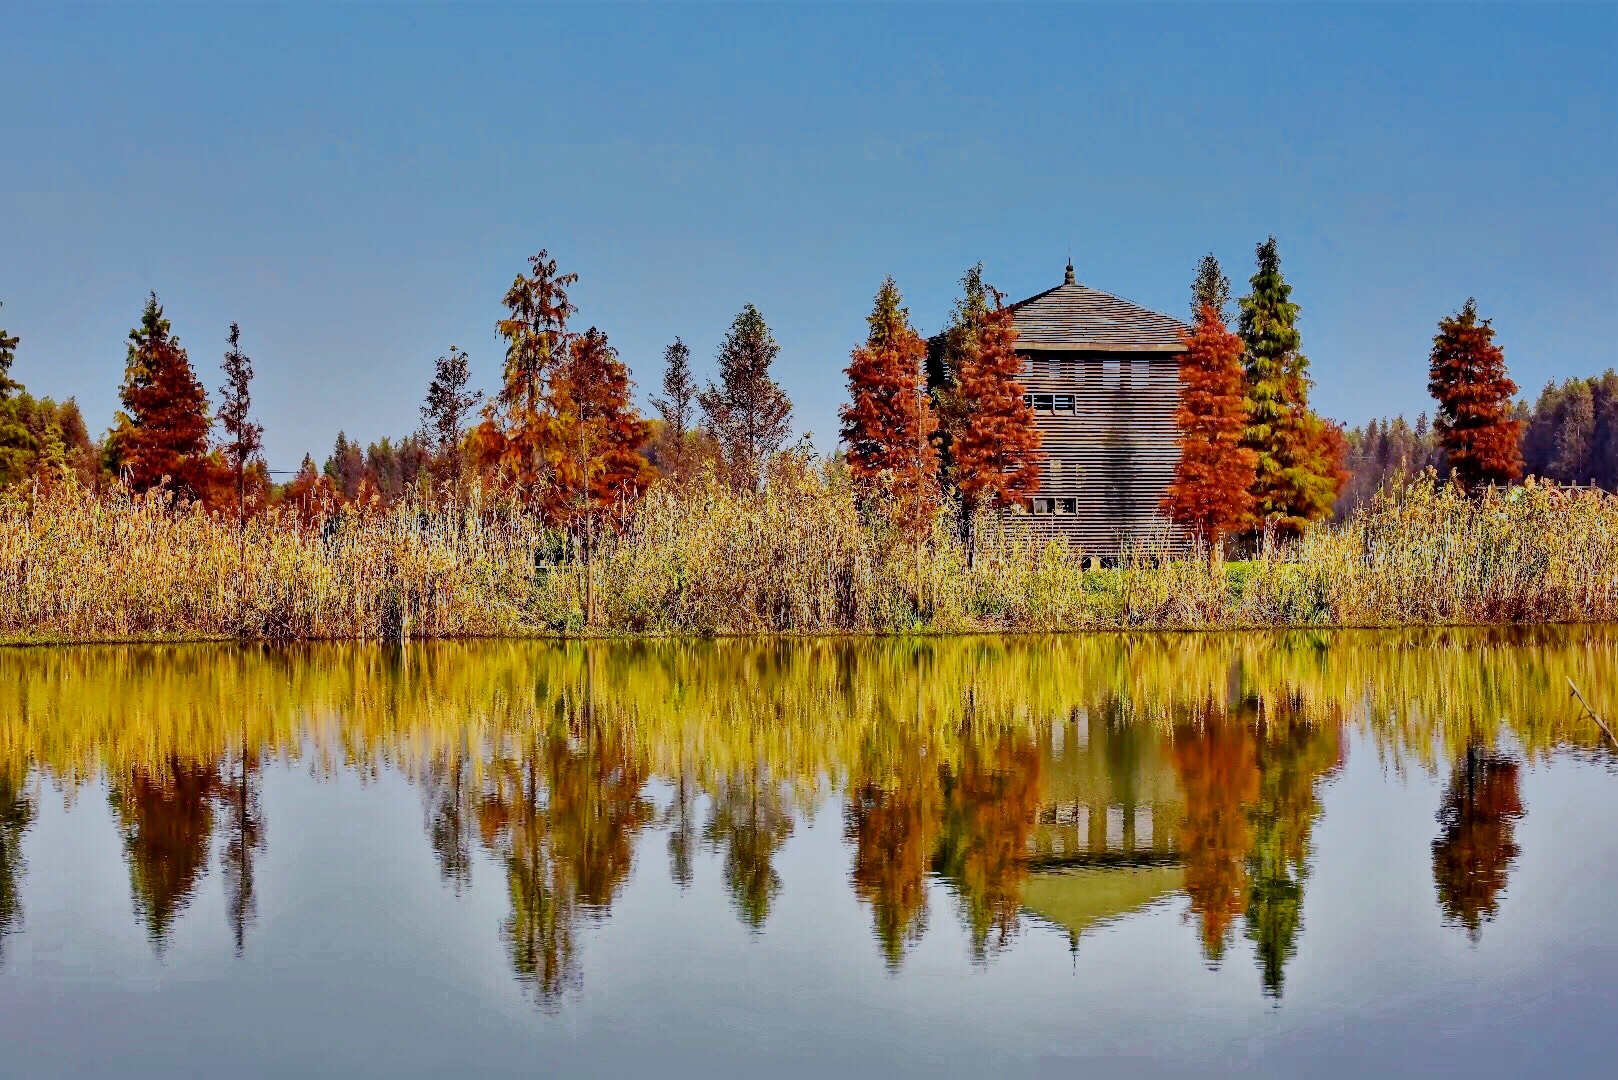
(358, 185)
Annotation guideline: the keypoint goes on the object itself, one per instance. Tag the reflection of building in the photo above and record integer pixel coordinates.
(1103, 377)
(1105, 845)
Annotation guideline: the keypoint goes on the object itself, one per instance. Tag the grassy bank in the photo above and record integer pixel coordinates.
(798, 559)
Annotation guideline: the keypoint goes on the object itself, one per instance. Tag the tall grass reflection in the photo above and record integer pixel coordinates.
(1067, 780)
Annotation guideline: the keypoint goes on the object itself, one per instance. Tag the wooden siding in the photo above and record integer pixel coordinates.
(1112, 453)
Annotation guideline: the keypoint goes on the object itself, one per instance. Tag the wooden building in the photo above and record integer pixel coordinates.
(1103, 377)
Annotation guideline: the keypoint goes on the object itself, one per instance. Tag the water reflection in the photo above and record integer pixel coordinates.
(1068, 781)
(16, 814)
(1476, 846)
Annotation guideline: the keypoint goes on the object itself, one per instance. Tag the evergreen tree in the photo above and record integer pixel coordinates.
(888, 423)
(676, 410)
(164, 431)
(1211, 288)
(346, 467)
(1571, 433)
(244, 438)
(443, 417)
(747, 412)
(8, 356)
(1211, 492)
(681, 388)
(1476, 426)
(1295, 479)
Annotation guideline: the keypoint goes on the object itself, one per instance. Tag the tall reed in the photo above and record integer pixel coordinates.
(800, 557)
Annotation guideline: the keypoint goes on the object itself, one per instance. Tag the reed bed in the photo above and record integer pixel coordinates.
(801, 558)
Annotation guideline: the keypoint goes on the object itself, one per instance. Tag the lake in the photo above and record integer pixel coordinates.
(1329, 853)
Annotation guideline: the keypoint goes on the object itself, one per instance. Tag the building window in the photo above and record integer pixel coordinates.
(1069, 506)
(1042, 402)
(1063, 403)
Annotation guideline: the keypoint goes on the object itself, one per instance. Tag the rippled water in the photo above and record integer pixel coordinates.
(1083, 856)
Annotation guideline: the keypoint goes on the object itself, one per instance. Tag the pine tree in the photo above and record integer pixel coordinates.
(1475, 422)
(164, 430)
(676, 409)
(1211, 288)
(996, 449)
(888, 423)
(8, 356)
(443, 417)
(747, 412)
(244, 438)
(1293, 484)
(1211, 493)
(18, 445)
(346, 467)
(536, 349)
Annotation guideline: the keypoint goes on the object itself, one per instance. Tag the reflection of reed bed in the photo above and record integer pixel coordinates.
(829, 710)
(798, 559)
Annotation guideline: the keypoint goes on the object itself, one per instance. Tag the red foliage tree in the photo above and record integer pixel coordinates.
(888, 424)
(996, 452)
(164, 430)
(536, 350)
(598, 463)
(1217, 766)
(1212, 480)
(1475, 424)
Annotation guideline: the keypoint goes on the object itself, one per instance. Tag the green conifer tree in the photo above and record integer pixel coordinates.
(1298, 453)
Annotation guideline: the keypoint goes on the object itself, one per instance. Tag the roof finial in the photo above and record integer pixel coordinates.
(1069, 279)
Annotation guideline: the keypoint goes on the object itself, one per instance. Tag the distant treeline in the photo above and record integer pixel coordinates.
(1569, 435)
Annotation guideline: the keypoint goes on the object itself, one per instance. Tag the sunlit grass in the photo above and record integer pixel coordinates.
(799, 558)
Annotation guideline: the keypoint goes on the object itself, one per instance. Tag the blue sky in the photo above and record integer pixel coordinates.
(358, 185)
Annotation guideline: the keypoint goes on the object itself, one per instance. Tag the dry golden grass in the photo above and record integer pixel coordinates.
(798, 559)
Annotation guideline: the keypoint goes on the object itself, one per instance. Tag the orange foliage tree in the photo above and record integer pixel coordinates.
(599, 464)
(1217, 766)
(518, 432)
(562, 428)
(893, 823)
(989, 809)
(1475, 424)
(163, 431)
(1212, 480)
(996, 449)
(888, 424)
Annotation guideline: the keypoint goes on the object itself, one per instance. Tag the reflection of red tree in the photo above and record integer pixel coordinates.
(1475, 847)
(990, 806)
(1218, 772)
(894, 827)
(166, 818)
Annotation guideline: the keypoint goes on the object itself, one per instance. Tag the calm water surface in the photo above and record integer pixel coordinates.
(1084, 856)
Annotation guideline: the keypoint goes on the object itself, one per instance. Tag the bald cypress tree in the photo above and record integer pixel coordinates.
(888, 423)
(1476, 425)
(163, 431)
